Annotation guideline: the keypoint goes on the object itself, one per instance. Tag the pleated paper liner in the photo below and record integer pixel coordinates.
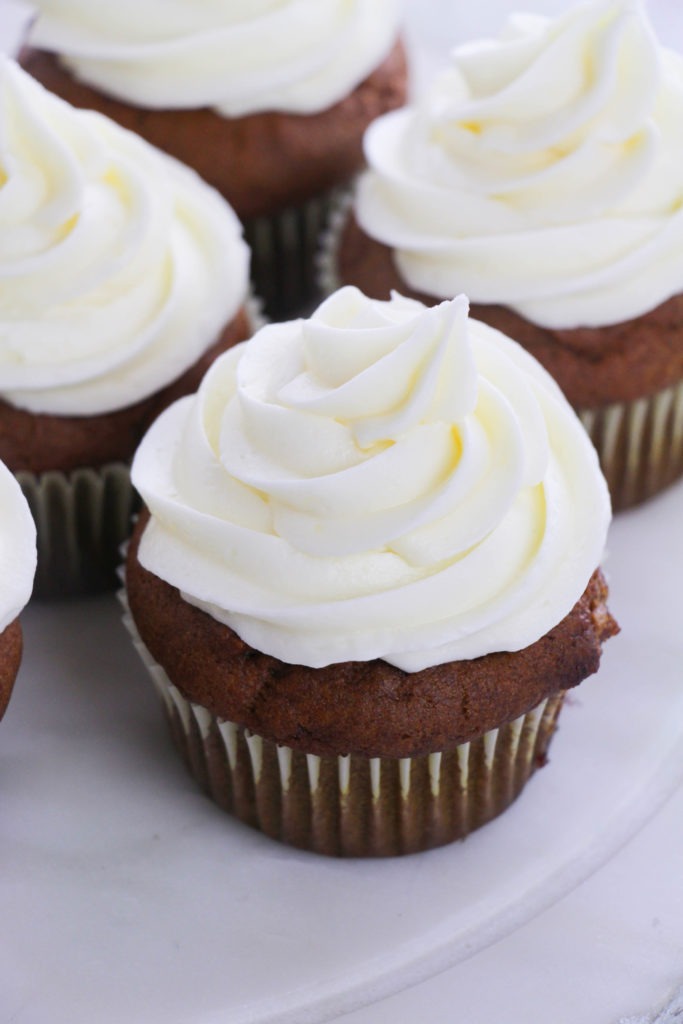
(354, 806)
(327, 274)
(283, 256)
(640, 444)
(81, 520)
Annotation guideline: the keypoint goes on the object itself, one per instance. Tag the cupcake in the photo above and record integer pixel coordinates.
(17, 567)
(367, 572)
(541, 176)
(267, 101)
(123, 276)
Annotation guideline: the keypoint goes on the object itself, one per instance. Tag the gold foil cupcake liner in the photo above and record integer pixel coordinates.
(81, 520)
(353, 806)
(639, 443)
(283, 256)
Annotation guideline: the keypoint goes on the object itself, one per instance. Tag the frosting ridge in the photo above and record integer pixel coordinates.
(299, 56)
(540, 171)
(383, 480)
(119, 267)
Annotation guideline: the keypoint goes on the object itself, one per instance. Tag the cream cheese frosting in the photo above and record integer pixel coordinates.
(237, 56)
(383, 480)
(542, 171)
(17, 549)
(119, 267)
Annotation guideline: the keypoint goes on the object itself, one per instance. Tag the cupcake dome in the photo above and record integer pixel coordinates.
(554, 192)
(377, 482)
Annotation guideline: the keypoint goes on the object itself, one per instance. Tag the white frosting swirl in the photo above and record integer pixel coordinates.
(17, 549)
(238, 56)
(118, 266)
(542, 171)
(381, 481)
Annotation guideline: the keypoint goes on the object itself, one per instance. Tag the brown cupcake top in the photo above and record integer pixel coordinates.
(368, 708)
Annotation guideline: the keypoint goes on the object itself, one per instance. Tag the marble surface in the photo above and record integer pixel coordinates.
(130, 897)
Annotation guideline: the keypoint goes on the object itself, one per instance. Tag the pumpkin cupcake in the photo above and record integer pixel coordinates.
(541, 176)
(367, 572)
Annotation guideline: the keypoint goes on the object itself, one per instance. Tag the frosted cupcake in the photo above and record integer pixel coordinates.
(381, 529)
(541, 175)
(122, 275)
(268, 101)
(17, 568)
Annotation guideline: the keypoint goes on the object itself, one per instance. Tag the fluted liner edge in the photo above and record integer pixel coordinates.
(353, 805)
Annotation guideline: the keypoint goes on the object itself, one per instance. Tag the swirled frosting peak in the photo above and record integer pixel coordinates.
(17, 549)
(542, 171)
(118, 266)
(383, 480)
(238, 56)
